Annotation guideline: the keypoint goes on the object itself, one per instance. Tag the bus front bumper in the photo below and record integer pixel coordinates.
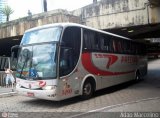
(41, 94)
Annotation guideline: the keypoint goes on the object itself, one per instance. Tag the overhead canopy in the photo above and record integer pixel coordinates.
(6, 44)
(155, 2)
(138, 32)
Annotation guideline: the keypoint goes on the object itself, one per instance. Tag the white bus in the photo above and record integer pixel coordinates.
(64, 60)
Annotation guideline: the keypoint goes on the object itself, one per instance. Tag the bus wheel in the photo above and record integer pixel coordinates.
(87, 90)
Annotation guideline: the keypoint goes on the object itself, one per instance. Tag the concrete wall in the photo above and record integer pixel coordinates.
(18, 27)
(118, 13)
(105, 14)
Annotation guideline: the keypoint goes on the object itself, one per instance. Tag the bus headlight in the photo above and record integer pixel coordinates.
(49, 87)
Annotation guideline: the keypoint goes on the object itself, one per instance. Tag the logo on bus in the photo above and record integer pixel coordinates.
(42, 83)
(111, 58)
(91, 68)
(66, 89)
(129, 59)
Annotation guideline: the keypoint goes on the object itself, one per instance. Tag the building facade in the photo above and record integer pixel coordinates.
(2, 5)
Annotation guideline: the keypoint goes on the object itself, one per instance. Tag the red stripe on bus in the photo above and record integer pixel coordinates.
(42, 83)
(90, 67)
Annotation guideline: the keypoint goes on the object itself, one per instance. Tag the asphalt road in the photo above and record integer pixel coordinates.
(148, 88)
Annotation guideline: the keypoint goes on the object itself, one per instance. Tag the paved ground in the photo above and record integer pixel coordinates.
(141, 96)
(144, 105)
(6, 90)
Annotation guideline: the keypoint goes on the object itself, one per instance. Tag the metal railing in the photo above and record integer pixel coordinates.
(10, 85)
(5, 62)
(2, 78)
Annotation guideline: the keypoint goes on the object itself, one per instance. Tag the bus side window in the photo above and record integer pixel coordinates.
(96, 41)
(104, 42)
(124, 48)
(126, 45)
(91, 40)
(66, 61)
(115, 46)
(119, 46)
(133, 49)
(111, 44)
(87, 41)
(70, 50)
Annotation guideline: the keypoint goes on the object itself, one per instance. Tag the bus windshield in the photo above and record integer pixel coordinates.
(37, 62)
(42, 35)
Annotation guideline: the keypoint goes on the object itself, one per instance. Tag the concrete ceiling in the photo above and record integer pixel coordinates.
(155, 2)
(6, 44)
(138, 32)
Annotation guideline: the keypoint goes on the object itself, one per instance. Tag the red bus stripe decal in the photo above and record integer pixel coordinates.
(90, 67)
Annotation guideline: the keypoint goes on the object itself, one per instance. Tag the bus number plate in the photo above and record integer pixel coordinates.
(30, 94)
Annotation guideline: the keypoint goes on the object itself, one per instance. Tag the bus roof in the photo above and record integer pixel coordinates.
(73, 24)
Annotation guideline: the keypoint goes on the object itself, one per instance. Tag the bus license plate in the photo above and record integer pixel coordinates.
(30, 94)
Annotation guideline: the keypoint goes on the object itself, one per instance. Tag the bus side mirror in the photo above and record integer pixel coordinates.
(14, 51)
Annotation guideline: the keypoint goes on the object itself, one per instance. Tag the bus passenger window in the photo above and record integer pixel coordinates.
(127, 47)
(87, 44)
(96, 44)
(114, 46)
(133, 48)
(91, 38)
(119, 46)
(104, 41)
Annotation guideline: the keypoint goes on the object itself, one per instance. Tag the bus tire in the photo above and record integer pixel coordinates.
(88, 90)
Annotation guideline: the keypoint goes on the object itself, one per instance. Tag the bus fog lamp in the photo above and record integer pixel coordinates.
(49, 87)
(18, 85)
